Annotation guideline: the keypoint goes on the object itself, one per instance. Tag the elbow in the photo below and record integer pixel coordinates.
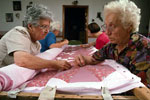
(20, 62)
(20, 59)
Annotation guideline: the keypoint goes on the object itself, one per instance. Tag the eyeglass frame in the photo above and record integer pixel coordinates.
(43, 27)
(110, 28)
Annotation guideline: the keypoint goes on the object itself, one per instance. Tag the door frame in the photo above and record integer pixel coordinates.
(75, 6)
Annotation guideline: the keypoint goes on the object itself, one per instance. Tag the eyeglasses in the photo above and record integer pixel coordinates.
(109, 28)
(44, 27)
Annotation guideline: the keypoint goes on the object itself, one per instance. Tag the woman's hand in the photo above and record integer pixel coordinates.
(65, 41)
(62, 65)
(81, 60)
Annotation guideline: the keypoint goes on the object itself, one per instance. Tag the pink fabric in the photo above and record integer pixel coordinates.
(101, 40)
(87, 79)
(13, 76)
(5, 83)
(89, 73)
(41, 79)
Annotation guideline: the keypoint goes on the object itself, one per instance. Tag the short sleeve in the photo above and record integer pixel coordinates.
(17, 41)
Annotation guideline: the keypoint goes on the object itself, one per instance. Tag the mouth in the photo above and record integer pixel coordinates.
(45, 34)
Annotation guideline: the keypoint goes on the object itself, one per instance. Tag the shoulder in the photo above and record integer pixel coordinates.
(140, 40)
(17, 32)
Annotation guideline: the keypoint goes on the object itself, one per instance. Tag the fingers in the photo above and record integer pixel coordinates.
(66, 41)
(80, 60)
(67, 65)
(63, 65)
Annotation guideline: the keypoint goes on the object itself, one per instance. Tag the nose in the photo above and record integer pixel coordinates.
(46, 30)
(108, 32)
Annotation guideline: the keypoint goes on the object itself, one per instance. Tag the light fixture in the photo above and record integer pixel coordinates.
(75, 2)
(99, 16)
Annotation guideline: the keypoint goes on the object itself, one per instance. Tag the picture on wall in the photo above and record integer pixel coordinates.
(23, 23)
(17, 5)
(9, 17)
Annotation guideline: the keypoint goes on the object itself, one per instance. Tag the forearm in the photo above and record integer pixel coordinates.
(27, 60)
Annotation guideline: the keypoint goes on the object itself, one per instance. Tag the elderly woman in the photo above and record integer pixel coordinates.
(20, 44)
(122, 19)
(50, 39)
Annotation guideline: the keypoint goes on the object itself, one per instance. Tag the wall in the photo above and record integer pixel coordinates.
(56, 7)
(145, 15)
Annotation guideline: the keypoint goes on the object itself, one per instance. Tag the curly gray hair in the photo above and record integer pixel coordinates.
(55, 26)
(129, 13)
(35, 13)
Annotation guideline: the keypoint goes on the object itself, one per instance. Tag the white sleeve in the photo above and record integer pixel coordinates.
(17, 41)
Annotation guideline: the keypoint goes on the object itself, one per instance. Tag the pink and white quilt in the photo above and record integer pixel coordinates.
(86, 80)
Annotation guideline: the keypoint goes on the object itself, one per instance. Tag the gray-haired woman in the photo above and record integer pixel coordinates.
(20, 44)
(122, 19)
(50, 39)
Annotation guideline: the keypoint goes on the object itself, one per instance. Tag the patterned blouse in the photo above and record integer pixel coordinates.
(135, 57)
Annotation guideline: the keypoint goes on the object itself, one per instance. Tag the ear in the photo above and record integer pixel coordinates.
(130, 28)
(29, 26)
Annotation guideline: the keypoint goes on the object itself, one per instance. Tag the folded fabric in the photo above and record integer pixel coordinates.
(12, 76)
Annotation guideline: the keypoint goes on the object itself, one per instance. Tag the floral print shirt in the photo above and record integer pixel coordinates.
(135, 57)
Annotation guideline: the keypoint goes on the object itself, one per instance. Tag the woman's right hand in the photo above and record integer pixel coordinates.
(62, 65)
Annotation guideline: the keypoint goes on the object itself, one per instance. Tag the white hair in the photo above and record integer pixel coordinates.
(55, 26)
(35, 13)
(128, 11)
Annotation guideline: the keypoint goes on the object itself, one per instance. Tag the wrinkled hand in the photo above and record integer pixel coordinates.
(81, 60)
(62, 65)
(65, 41)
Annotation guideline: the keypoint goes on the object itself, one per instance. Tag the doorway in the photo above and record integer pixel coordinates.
(75, 19)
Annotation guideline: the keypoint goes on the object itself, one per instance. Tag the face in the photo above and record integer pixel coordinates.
(114, 29)
(39, 32)
(56, 32)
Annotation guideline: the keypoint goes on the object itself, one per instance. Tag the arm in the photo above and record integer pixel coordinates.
(88, 45)
(59, 44)
(85, 60)
(27, 60)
